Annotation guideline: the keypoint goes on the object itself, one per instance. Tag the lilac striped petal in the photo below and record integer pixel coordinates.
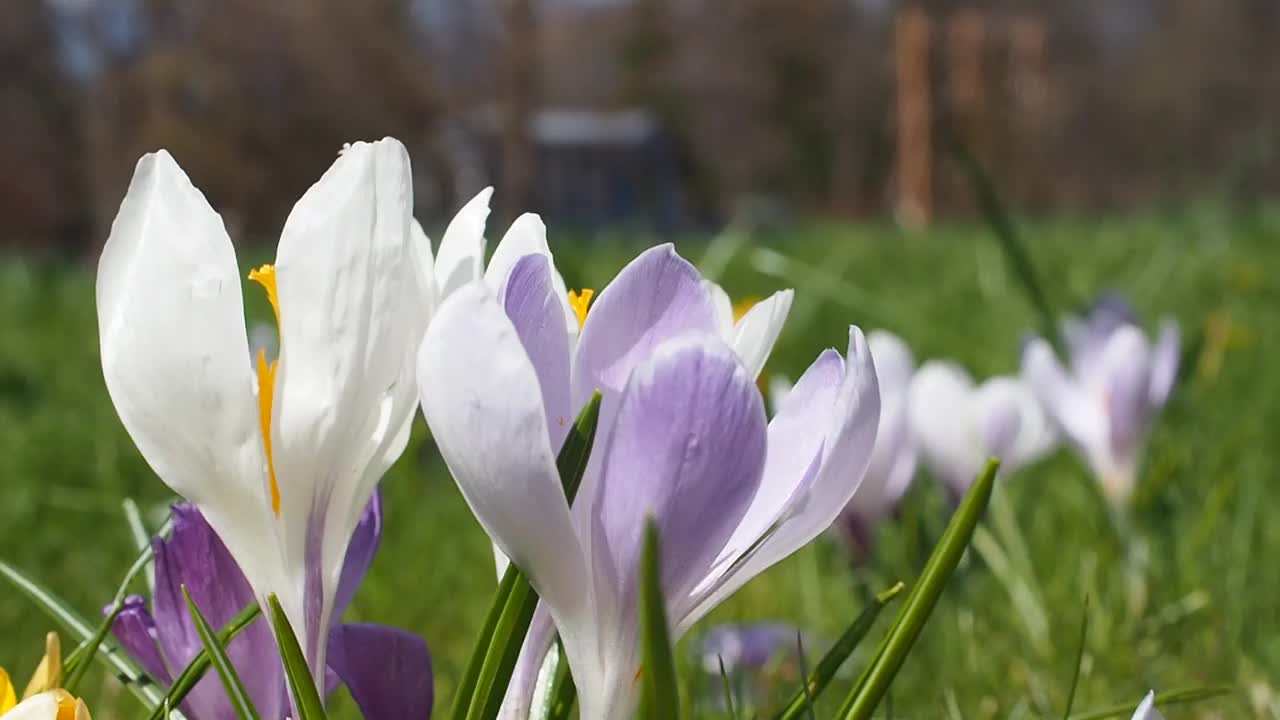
(535, 307)
(1127, 379)
(688, 449)
(656, 297)
(388, 671)
(135, 630)
(1165, 357)
(848, 428)
(364, 545)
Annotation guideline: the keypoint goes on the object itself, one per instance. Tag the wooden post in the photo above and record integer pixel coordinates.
(915, 151)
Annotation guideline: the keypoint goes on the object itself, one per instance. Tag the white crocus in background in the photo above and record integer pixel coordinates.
(750, 327)
(682, 436)
(959, 425)
(281, 462)
(1117, 384)
(894, 458)
(1147, 708)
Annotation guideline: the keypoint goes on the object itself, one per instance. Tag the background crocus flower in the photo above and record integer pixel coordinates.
(1147, 709)
(682, 437)
(1116, 386)
(959, 425)
(280, 462)
(894, 457)
(387, 671)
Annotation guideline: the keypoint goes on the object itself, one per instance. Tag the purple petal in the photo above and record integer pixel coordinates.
(535, 307)
(1127, 382)
(749, 646)
(688, 449)
(194, 556)
(364, 545)
(135, 630)
(656, 297)
(388, 671)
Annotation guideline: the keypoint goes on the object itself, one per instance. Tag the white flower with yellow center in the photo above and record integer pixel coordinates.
(282, 458)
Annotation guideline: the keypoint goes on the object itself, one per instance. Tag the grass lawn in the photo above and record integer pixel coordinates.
(1206, 611)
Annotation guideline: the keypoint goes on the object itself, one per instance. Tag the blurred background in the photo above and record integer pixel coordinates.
(814, 144)
(662, 114)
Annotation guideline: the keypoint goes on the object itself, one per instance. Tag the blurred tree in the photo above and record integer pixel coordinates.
(41, 196)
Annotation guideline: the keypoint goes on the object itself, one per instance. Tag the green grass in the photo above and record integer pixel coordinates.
(1207, 506)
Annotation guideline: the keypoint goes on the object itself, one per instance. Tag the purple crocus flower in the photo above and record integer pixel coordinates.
(387, 671)
(746, 646)
(682, 438)
(1116, 385)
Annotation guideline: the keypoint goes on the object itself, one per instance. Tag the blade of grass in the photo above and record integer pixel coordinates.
(1006, 233)
(75, 666)
(830, 663)
(306, 698)
(878, 676)
(1080, 645)
(804, 673)
(467, 685)
(563, 692)
(1173, 697)
(659, 694)
(218, 656)
(509, 631)
(728, 691)
(127, 671)
(195, 670)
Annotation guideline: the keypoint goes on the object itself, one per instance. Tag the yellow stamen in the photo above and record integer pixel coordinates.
(741, 307)
(266, 277)
(70, 708)
(266, 391)
(8, 698)
(580, 301)
(48, 674)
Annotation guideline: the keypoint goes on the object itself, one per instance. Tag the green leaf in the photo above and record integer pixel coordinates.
(835, 657)
(467, 685)
(659, 695)
(199, 664)
(226, 670)
(1080, 645)
(727, 688)
(804, 673)
(563, 692)
(921, 600)
(508, 632)
(121, 665)
(1173, 697)
(303, 687)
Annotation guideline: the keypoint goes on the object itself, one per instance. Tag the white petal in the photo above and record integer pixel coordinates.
(755, 334)
(945, 424)
(37, 707)
(1165, 357)
(1070, 405)
(174, 352)
(350, 321)
(723, 308)
(895, 364)
(460, 258)
(481, 399)
(1147, 708)
(420, 246)
(996, 405)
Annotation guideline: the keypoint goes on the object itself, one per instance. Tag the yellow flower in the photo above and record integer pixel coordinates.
(43, 699)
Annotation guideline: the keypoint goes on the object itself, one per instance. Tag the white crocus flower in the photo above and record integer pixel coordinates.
(281, 459)
(959, 425)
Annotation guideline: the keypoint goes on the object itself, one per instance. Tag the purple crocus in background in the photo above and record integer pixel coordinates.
(387, 671)
(1116, 385)
(682, 437)
(959, 425)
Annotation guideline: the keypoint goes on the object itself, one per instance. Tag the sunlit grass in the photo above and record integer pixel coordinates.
(1206, 509)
